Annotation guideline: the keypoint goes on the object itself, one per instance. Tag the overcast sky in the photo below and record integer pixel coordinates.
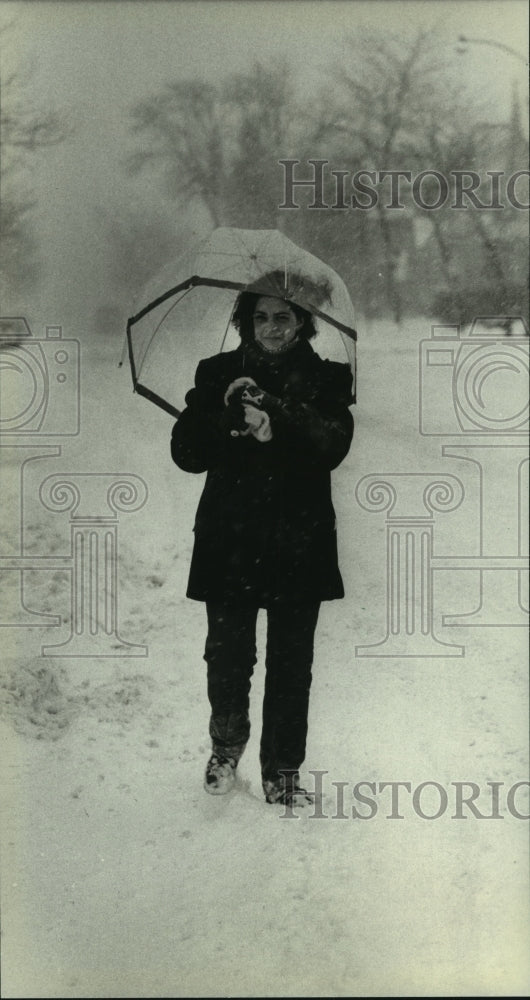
(102, 54)
(94, 59)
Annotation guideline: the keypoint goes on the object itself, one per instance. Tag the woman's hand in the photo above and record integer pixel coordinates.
(244, 398)
(237, 388)
(257, 423)
(242, 391)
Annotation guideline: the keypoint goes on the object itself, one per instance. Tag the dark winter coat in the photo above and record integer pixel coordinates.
(265, 525)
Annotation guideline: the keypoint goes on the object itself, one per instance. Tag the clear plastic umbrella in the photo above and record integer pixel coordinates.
(187, 309)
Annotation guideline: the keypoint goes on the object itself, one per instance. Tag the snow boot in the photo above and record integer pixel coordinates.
(287, 792)
(220, 775)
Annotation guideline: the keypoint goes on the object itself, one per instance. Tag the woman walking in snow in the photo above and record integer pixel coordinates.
(267, 422)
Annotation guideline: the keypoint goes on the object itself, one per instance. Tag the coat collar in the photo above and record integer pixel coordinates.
(301, 354)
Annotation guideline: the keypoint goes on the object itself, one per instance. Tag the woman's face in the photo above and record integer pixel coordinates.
(275, 323)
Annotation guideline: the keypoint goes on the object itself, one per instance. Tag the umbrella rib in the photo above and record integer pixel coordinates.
(187, 285)
(158, 301)
(142, 390)
(166, 314)
(226, 332)
(348, 330)
(162, 320)
(238, 286)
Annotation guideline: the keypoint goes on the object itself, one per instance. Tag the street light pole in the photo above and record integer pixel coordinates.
(486, 41)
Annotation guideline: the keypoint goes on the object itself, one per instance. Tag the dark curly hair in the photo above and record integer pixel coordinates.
(269, 285)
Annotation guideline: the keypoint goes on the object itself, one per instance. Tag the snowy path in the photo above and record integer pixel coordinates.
(122, 878)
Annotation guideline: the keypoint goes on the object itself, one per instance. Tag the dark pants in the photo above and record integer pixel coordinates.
(231, 655)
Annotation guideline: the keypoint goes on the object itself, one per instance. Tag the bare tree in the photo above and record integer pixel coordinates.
(262, 109)
(479, 252)
(182, 131)
(220, 144)
(24, 130)
(382, 97)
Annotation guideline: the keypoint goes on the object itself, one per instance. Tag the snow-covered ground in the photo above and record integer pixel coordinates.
(121, 877)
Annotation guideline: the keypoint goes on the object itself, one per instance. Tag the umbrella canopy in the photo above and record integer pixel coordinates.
(188, 308)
